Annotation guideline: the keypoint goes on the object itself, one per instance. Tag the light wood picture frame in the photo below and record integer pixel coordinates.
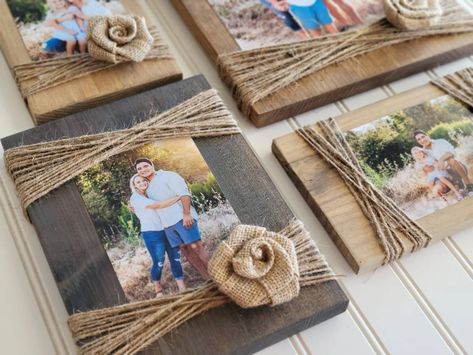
(74, 252)
(335, 206)
(335, 82)
(91, 90)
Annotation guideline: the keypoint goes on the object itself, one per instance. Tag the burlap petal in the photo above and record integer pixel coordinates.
(255, 267)
(413, 14)
(118, 38)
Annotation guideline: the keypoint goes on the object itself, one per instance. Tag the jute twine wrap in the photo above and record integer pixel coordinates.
(391, 224)
(459, 85)
(40, 168)
(255, 74)
(255, 255)
(112, 40)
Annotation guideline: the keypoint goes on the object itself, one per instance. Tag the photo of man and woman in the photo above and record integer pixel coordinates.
(160, 213)
(259, 23)
(421, 157)
(51, 28)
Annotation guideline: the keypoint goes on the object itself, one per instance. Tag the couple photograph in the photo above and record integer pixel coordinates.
(258, 23)
(160, 214)
(421, 157)
(53, 28)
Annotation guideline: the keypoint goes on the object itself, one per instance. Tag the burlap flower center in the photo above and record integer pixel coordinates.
(255, 259)
(122, 32)
(118, 38)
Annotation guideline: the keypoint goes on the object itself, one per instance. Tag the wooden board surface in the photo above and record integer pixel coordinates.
(91, 90)
(335, 82)
(336, 207)
(75, 253)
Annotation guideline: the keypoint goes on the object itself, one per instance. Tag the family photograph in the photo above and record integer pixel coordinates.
(421, 157)
(160, 214)
(259, 23)
(51, 28)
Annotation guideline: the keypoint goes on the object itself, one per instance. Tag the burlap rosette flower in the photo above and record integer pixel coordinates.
(118, 38)
(256, 267)
(413, 14)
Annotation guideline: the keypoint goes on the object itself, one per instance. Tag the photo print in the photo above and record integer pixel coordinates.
(53, 28)
(260, 23)
(159, 213)
(421, 157)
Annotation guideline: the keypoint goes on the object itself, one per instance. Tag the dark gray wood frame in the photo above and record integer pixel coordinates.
(84, 274)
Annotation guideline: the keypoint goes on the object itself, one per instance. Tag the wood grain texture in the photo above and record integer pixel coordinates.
(91, 90)
(336, 207)
(335, 82)
(83, 272)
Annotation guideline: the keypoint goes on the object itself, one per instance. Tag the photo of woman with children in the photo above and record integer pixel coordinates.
(159, 213)
(421, 157)
(58, 27)
(256, 23)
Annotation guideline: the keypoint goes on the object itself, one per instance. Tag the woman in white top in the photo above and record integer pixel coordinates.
(152, 232)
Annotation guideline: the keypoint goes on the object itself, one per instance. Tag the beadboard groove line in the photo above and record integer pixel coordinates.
(27, 260)
(461, 256)
(429, 310)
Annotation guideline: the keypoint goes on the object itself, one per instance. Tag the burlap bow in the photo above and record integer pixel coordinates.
(413, 14)
(256, 267)
(118, 38)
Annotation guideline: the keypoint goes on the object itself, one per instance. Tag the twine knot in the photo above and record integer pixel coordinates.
(118, 38)
(413, 14)
(255, 267)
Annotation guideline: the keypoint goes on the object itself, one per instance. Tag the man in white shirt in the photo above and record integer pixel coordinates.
(180, 219)
(444, 153)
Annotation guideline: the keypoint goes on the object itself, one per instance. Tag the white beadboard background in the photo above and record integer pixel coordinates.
(420, 305)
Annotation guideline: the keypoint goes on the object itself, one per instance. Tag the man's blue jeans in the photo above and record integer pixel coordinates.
(157, 245)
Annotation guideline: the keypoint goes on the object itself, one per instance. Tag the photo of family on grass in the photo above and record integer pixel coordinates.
(160, 214)
(51, 28)
(421, 157)
(259, 23)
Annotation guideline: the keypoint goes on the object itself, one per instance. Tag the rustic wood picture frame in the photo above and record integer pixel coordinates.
(75, 253)
(335, 82)
(91, 90)
(335, 206)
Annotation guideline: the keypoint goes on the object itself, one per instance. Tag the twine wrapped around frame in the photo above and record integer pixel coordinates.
(129, 328)
(37, 76)
(390, 223)
(252, 267)
(458, 84)
(255, 74)
(37, 169)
